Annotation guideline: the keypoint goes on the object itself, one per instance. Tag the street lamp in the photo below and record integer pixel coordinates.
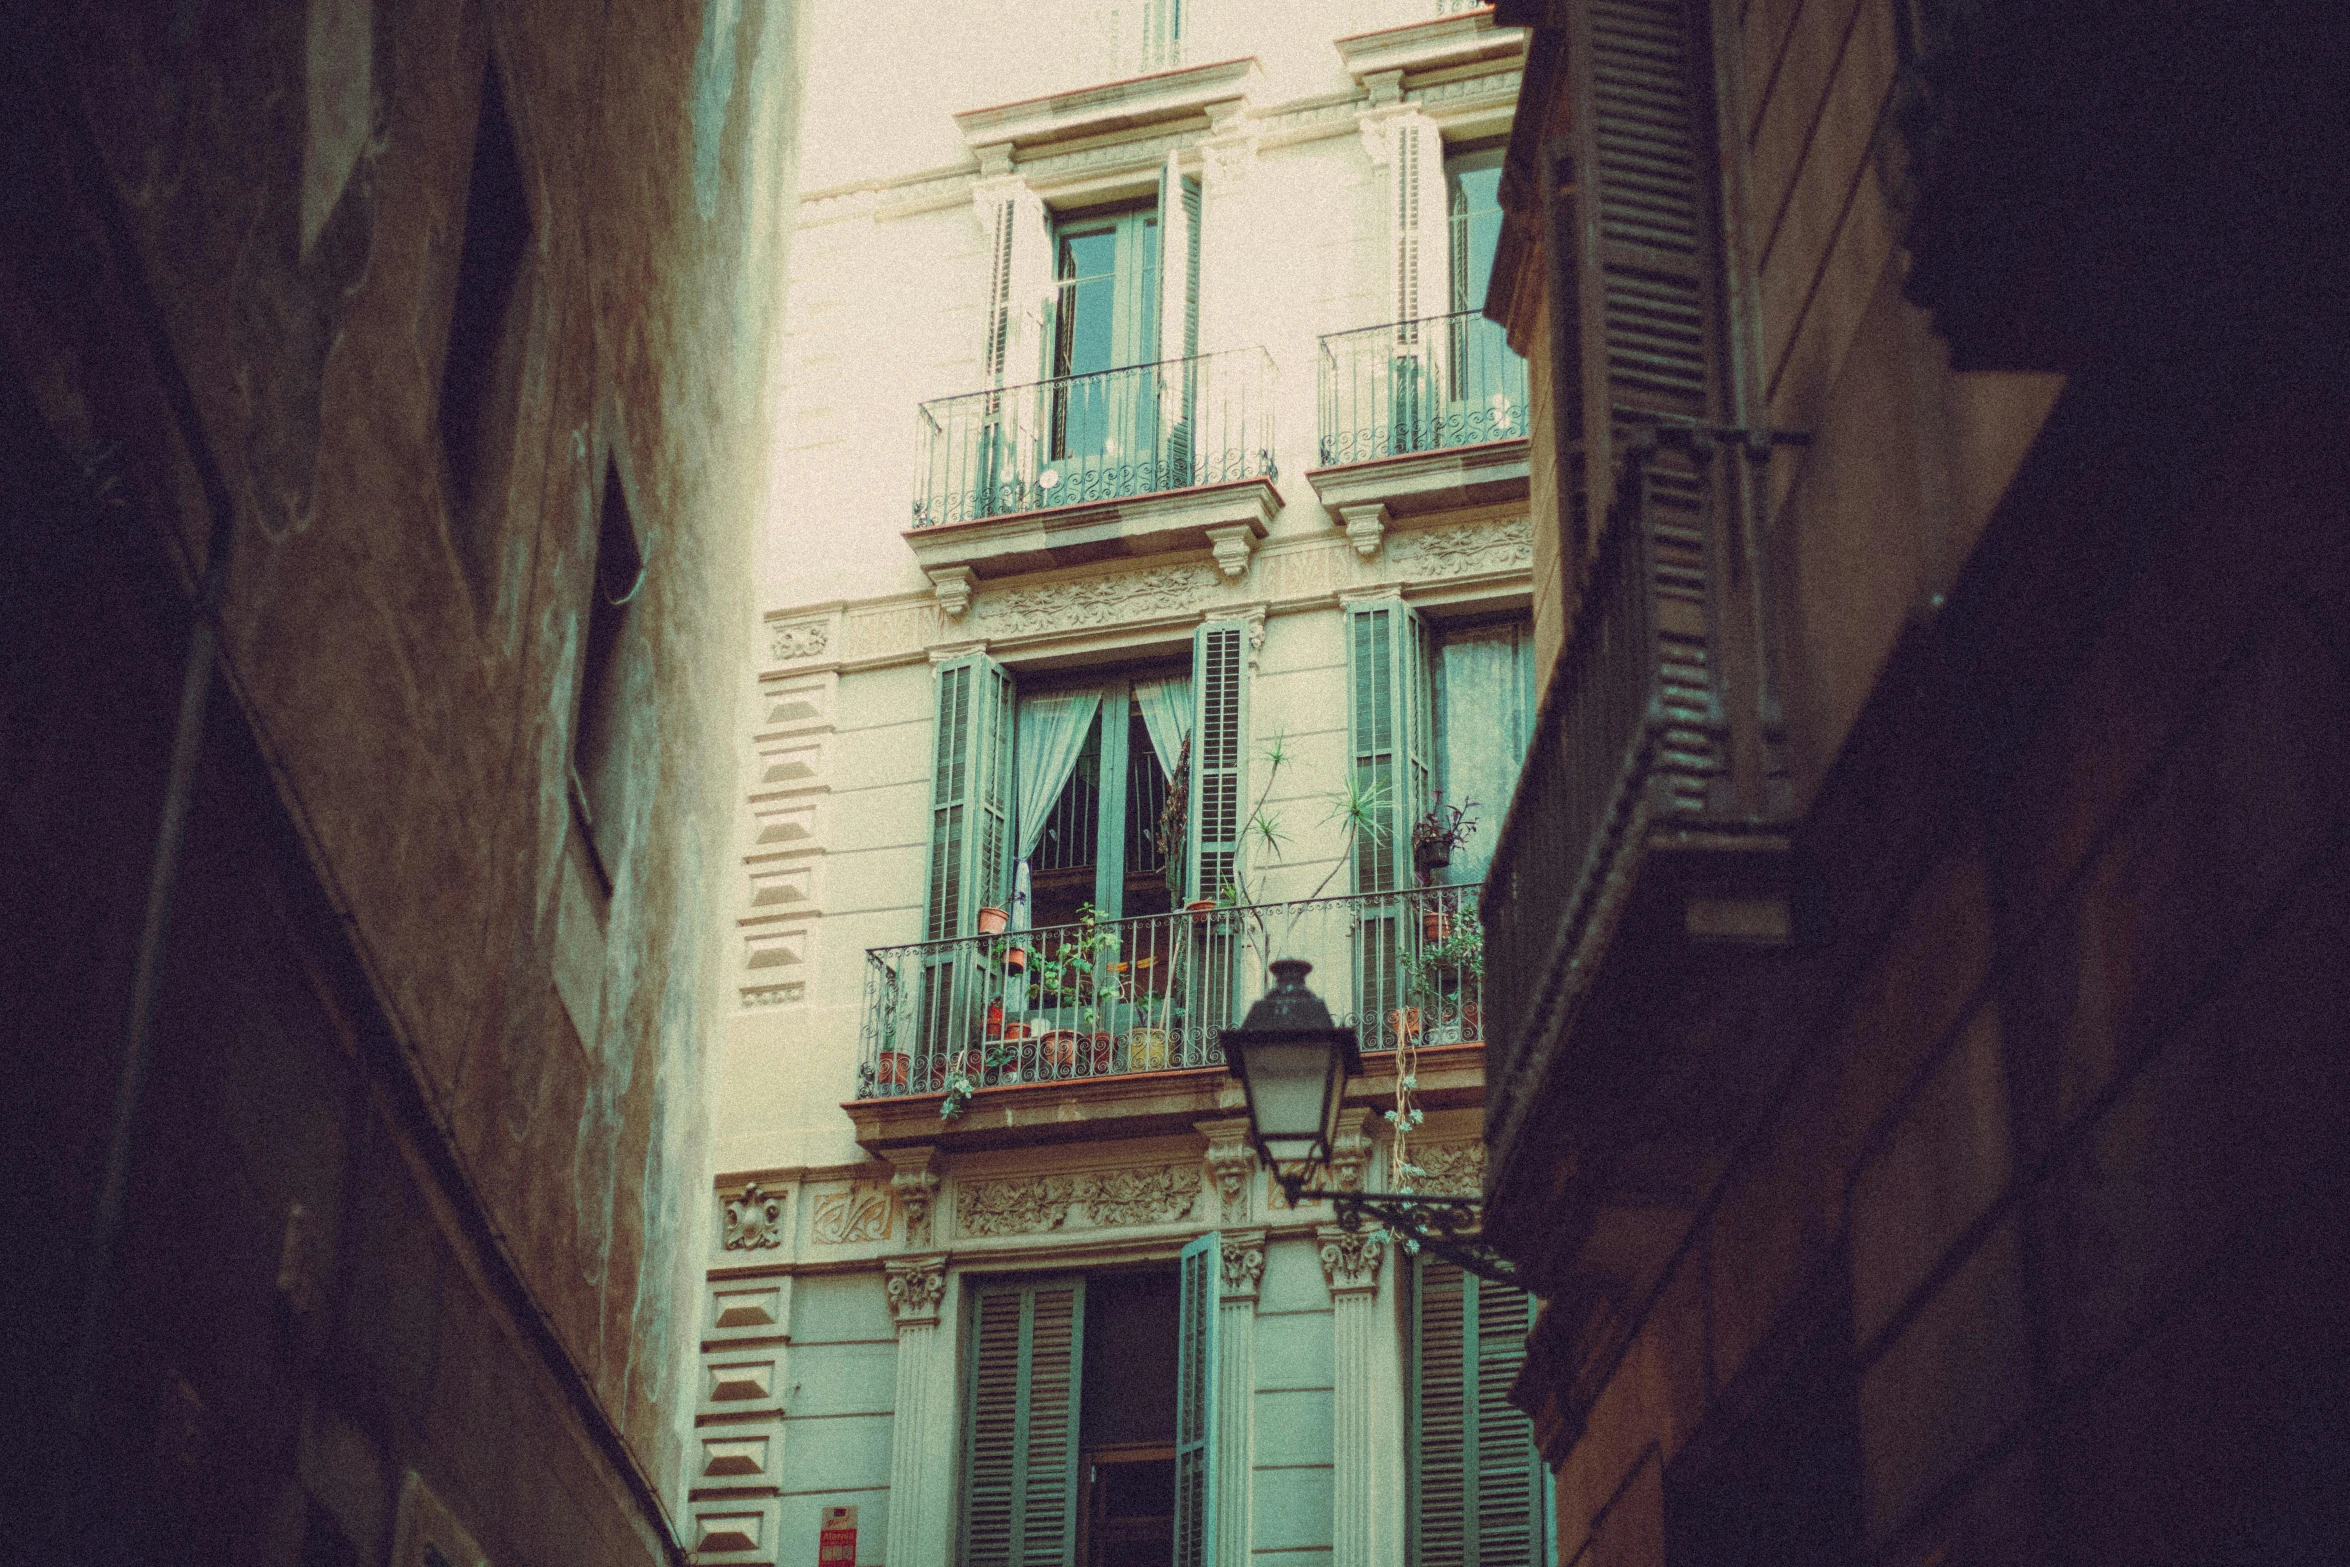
(1293, 1062)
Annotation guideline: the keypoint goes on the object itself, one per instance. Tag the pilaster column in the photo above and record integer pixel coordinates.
(1235, 1436)
(1350, 1261)
(916, 1287)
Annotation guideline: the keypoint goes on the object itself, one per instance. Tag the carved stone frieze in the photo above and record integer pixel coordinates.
(1243, 1263)
(846, 1218)
(1157, 1194)
(916, 1286)
(1021, 1207)
(799, 639)
(1096, 601)
(1503, 545)
(1450, 1170)
(754, 1220)
(1148, 1194)
(1351, 1258)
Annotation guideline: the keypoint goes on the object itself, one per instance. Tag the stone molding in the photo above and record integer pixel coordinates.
(1144, 1194)
(916, 1184)
(796, 639)
(1350, 1258)
(1505, 544)
(1243, 1264)
(1231, 1161)
(754, 1220)
(1084, 603)
(916, 1287)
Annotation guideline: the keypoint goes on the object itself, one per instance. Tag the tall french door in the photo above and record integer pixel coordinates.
(1104, 419)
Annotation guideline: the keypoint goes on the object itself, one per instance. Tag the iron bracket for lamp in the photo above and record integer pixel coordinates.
(1443, 1226)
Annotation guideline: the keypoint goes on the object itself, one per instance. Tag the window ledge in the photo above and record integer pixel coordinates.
(1441, 42)
(1415, 484)
(1169, 522)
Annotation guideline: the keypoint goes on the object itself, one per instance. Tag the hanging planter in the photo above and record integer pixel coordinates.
(992, 920)
(1199, 909)
(1435, 925)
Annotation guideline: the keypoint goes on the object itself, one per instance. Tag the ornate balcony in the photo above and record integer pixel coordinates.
(1078, 1003)
(1419, 416)
(1150, 459)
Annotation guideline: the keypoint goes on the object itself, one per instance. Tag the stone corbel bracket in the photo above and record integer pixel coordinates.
(1366, 525)
(914, 1177)
(953, 586)
(1232, 545)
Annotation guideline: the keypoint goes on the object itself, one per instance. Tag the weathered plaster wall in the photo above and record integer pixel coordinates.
(297, 182)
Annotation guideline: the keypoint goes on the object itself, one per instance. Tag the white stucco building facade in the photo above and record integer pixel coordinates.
(1152, 487)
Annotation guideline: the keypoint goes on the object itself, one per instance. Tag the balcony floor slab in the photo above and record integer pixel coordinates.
(1170, 522)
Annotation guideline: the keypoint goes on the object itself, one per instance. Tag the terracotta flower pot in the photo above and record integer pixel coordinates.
(1016, 960)
(992, 920)
(1058, 1049)
(1199, 909)
(1404, 1023)
(1435, 925)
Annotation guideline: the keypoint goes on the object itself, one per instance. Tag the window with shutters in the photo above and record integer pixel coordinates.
(1479, 1495)
(1087, 1426)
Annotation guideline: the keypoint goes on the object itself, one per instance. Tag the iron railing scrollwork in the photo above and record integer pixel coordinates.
(1418, 386)
(1080, 439)
(1113, 997)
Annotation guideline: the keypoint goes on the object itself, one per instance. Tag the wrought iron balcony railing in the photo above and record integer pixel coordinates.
(1079, 439)
(1105, 999)
(1418, 386)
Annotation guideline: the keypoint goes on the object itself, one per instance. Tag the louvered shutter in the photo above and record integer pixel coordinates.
(1477, 1484)
(1162, 35)
(1195, 1403)
(1389, 719)
(1417, 278)
(1219, 753)
(1178, 305)
(1648, 280)
(970, 795)
(1020, 1434)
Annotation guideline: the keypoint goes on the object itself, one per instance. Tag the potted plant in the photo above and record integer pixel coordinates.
(1437, 834)
(891, 1068)
(1147, 1047)
(1057, 1048)
(992, 920)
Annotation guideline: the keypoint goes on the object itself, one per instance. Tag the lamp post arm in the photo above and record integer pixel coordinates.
(1437, 1223)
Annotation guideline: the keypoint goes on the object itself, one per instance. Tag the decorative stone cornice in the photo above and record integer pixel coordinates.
(916, 1287)
(1231, 1161)
(1243, 1264)
(754, 1220)
(1351, 1258)
(916, 1185)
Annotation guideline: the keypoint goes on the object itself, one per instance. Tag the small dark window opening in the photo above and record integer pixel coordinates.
(597, 766)
(481, 359)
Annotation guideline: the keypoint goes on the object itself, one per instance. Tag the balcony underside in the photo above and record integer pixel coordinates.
(1169, 522)
(1417, 484)
(1140, 1104)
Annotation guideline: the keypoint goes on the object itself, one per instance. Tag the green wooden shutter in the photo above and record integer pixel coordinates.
(1020, 1433)
(1389, 718)
(1476, 1480)
(1219, 753)
(1195, 1404)
(970, 796)
(1649, 316)
(1178, 304)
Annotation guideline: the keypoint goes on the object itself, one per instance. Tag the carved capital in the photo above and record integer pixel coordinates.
(1231, 1161)
(1350, 1153)
(916, 1286)
(1351, 1258)
(1366, 525)
(1233, 543)
(754, 1220)
(916, 1184)
(1243, 1263)
(953, 585)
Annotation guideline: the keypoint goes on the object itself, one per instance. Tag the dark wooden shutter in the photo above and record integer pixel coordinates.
(1195, 1403)
(1219, 753)
(1647, 304)
(1477, 1485)
(1020, 1443)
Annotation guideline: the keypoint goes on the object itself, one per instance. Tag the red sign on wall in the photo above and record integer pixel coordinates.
(836, 1541)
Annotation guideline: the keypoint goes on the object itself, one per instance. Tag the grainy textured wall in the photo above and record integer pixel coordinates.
(296, 180)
